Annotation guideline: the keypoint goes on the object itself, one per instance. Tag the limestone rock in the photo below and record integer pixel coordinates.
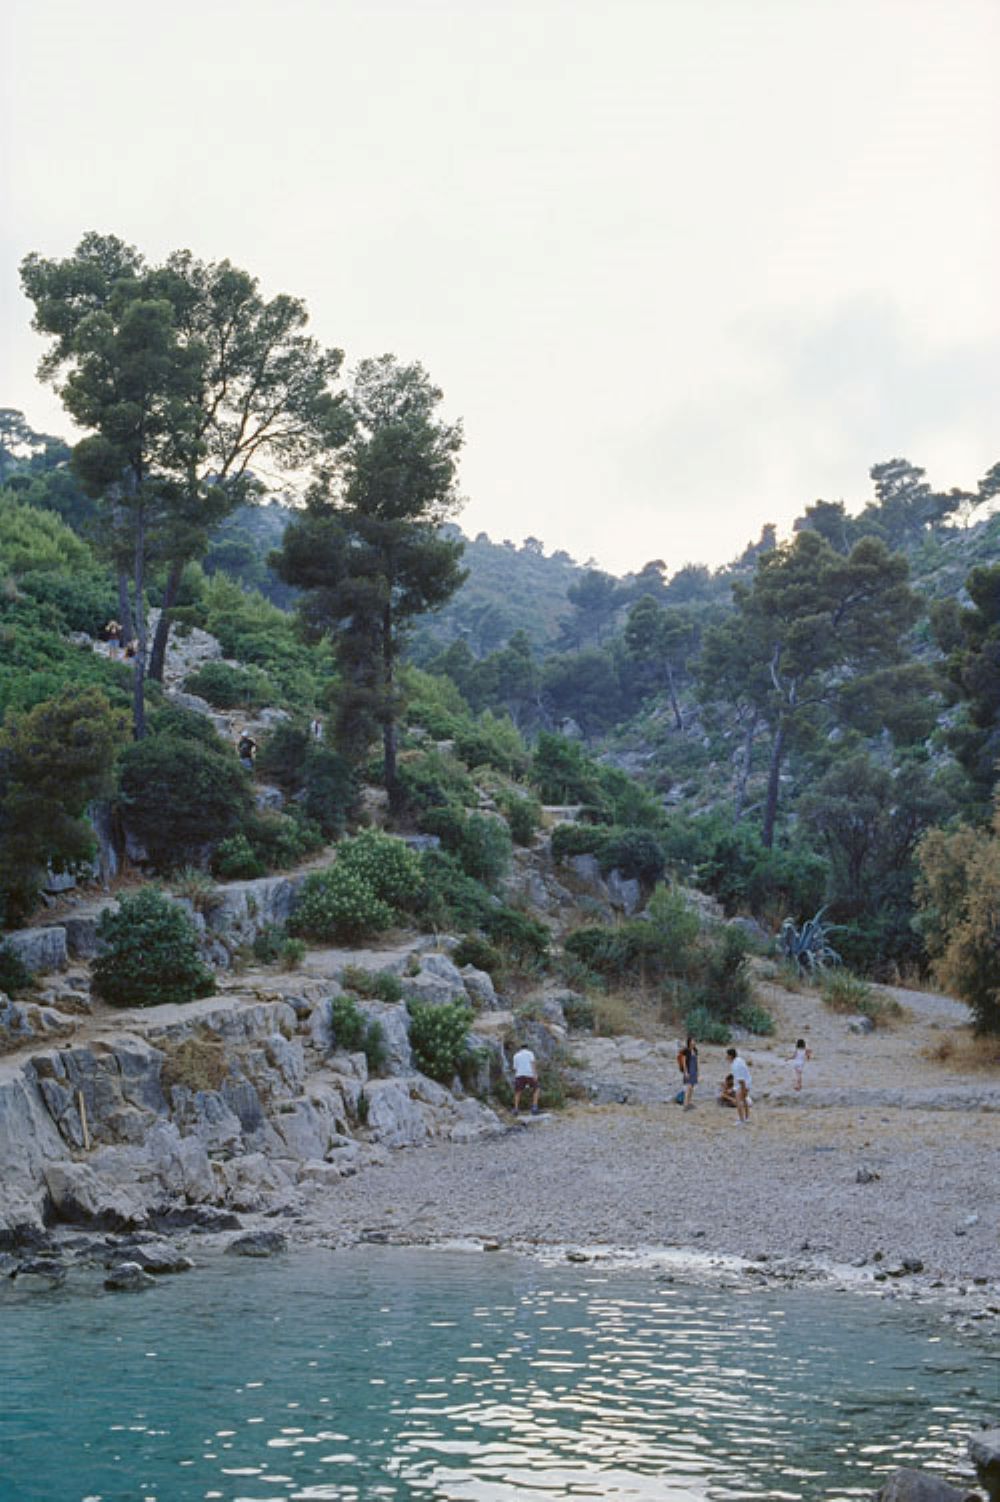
(479, 988)
(267, 796)
(860, 1025)
(624, 893)
(258, 1244)
(587, 870)
(81, 1196)
(242, 908)
(395, 1023)
(25, 1022)
(439, 980)
(907, 1485)
(128, 1277)
(158, 1258)
(39, 949)
(984, 1451)
(394, 1118)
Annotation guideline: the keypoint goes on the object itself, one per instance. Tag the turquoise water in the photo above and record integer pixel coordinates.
(391, 1373)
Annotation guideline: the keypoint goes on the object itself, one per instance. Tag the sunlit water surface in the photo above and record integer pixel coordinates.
(395, 1373)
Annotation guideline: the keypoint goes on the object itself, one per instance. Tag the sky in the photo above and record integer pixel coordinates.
(681, 266)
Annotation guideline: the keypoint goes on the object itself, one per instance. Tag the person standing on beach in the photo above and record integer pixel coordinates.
(525, 1078)
(740, 1072)
(687, 1060)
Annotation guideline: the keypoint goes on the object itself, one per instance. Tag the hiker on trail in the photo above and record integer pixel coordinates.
(112, 634)
(742, 1082)
(246, 749)
(799, 1059)
(525, 1078)
(316, 730)
(687, 1063)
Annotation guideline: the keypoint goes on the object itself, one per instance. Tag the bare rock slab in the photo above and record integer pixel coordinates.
(984, 1451)
(906, 1485)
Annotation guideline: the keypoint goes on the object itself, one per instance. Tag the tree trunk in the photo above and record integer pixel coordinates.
(139, 660)
(389, 736)
(773, 779)
(673, 698)
(124, 605)
(161, 635)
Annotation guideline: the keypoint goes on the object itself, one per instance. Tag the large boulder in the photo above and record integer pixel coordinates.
(82, 1196)
(984, 1450)
(394, 1117)
(479, 988)
(39, 949)
(24, 1022)
(438, 980)
(906, 1485)
(240, 909)
(395, 1024)
(624, 893)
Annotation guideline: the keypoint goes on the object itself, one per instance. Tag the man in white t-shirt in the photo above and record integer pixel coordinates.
(740, 1072)
(525, 1078)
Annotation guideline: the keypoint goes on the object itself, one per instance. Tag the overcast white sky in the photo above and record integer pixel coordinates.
(681, 265)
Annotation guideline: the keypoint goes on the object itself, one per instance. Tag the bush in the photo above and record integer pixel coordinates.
(494, 743)
(227, 687)
(724, 987)
(757, 1020)
(390, 868)
(180, 795)
(745, 875)
(14, 974)
(631, 953)
(703, 1025)
(348, 1024)
(524, 940)
(429, 779)
(563, 773)
(479, 953)
(579, 1013)
(635, 853)
(339, 906)
(524, 817)
(439, 1038)
(281, 840)
(151, 958)
(481, 845)
(447, 897)
(379, 985)
(809, 947)
(329, 790)
(677, 926)
(234, 859)
(844, 992)
(272, 946)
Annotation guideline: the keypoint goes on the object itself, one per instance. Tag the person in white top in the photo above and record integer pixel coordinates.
(740, 1072)
(525, 1078)
(799, 1059)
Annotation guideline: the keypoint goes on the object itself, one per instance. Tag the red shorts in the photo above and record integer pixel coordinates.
(525, 1082)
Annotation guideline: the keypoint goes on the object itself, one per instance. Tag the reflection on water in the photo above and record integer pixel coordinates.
(392, 1373)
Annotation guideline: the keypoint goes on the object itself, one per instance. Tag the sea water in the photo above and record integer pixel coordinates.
(394, 1373)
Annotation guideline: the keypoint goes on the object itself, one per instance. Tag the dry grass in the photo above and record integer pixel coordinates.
(199, 1063)
(624, 1013)
(959, 1050)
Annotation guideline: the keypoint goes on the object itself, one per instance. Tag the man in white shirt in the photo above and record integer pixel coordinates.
(525, 1078)
(740, 1072)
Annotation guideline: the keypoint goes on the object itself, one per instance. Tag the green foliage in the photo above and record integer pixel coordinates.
(14, 975)
(481, 844)
(523, 815)
(228, 687)
(348, 1024)
(959, 900)
(235, 859)
(634, 852)
(54, 760)
(430, 779)
(845, 992)
(182, 795)
(676, 925)
(736, 866)
(492, 741)
(447, 897)
(479, 953)
(523, 940)
(389, 867)
(375, 985)
(756, 1020)
(273, 946)
(339, 906)
(579, 1013)
(702, 1024)
(563, 773)
(439, 1037)
(631, 953)
(253, 631)
(808, 947)
(150, 956)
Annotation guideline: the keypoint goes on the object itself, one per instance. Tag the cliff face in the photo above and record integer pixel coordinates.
(239, 1102)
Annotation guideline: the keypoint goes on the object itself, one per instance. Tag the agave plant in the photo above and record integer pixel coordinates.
(809, 947)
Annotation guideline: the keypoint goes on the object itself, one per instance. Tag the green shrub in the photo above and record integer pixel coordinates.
(631, 953)
(181, 795)
(724, 987)
(481, 845)
(479, 953)
(844, 992)
(579, 1013)
(339, 906)
(374, 1046)
(494, 743)
(281, 840)
(329, 790)
(282, 755)
(151, 955)
(227, 687)
(577, 839)
(448, 898)
(635, 853)
(235, 859)
(524, 817)
(14, 974)
(439, 1037)
(703, 1025)
(563, 773)
(347, 1023)
(677, 926)
(757, 1020)
(524, 941)
(429, 779)
(269, 943)
(293, 952)
(390, 868)
(380, 985)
